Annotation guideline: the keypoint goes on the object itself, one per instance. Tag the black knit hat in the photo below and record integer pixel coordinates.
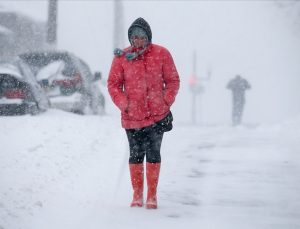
(140, 22)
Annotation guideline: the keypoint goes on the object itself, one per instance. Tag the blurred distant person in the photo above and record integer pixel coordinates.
(238, 86)
(143, 83)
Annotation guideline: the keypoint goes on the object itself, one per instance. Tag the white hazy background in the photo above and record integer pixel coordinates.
(256, 39)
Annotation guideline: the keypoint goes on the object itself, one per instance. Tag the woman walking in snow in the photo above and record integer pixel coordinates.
(143, 83)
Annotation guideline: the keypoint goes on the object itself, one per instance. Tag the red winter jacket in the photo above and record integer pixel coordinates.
(144, 88)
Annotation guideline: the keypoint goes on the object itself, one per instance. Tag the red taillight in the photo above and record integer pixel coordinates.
(15, 94)
(74, 81)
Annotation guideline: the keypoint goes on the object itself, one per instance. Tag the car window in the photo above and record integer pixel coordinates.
(7, 82)
(10, 82)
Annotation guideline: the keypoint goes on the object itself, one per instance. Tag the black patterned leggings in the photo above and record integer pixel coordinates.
(144, 141)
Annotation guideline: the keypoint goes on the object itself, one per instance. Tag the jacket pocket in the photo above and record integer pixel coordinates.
(136, 111)
(158, 106)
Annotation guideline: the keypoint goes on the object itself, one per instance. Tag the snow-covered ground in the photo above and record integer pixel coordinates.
(63, 171)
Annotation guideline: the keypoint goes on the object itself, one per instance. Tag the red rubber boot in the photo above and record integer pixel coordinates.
(152, 174)
(137, 181)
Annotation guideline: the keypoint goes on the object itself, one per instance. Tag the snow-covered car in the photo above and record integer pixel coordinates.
(67, 81)
(19, 91)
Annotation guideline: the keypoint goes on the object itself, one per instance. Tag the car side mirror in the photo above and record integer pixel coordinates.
(97, 76)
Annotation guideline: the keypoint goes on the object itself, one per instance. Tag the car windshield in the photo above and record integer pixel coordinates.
(51, 71)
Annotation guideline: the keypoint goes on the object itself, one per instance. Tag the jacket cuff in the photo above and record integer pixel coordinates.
(169, 99)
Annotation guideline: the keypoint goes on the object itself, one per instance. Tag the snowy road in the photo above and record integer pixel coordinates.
(63, 171)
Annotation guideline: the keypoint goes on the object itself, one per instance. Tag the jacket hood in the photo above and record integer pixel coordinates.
(142, 23)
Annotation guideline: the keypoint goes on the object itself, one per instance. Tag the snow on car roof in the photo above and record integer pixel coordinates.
(6, 68)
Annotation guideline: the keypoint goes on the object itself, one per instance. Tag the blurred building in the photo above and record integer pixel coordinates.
(19, 33)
